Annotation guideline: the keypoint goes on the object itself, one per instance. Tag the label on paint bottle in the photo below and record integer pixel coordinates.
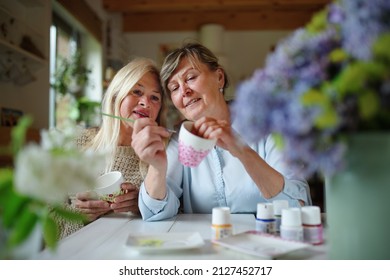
(221, 231)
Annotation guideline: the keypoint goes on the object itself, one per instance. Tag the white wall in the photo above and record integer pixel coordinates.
(33, 98)
(245, 50)
(94, 61)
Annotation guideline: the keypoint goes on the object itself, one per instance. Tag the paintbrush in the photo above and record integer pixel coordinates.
(131, 120)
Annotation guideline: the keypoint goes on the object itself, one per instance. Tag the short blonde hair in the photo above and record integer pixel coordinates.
(196, 53)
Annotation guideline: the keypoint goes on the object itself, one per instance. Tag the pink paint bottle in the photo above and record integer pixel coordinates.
(312, 227)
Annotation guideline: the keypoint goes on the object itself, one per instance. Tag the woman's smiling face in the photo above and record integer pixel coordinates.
(195, 90)
(144, 100)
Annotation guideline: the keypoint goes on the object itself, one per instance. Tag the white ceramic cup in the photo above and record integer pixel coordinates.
(108, 185)
(192, 148)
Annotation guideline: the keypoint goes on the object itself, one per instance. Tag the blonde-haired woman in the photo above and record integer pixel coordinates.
(135, 92)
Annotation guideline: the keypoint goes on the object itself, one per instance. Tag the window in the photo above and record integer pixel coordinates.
(75, 70)
(64, 44)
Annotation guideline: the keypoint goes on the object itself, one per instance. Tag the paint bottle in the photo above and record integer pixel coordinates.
(221, 223)
(312, 226)
(279, 205)
(291, 226)
(265, 220)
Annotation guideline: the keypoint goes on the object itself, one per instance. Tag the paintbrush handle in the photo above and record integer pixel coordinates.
(131, 120)
(119, 118)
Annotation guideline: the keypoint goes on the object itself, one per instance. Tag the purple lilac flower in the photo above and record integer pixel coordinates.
(364, 21)
(293, 58)
(335, 14)
(270, 101)
(253, 108)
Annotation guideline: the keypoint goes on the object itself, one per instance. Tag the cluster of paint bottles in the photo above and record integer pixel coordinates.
(276, 218)
(291, 223)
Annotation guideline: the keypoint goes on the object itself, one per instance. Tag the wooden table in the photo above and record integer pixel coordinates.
(105, 239)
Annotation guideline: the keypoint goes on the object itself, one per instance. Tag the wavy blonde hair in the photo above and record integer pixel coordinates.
(107, 137)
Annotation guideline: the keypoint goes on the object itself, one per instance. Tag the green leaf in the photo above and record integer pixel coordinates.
(314, 97)
(13, 204)
(338, 55)
(279, 141)
(50, 232)
(6, 179)
(318, 22)
(369, 104)
(351, 79)
(18, 133)
(374, 70)
(23, 227)
(327, 119)
(68, 71)
(358, 76)
(381, 47)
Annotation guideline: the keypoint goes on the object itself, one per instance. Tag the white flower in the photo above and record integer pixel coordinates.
(63, 139)
(55, 169)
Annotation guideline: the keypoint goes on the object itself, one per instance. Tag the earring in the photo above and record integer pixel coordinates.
(221, 90)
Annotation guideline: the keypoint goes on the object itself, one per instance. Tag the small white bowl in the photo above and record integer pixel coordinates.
(108, 185)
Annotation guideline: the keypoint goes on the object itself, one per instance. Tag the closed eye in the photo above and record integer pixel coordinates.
(173, 88)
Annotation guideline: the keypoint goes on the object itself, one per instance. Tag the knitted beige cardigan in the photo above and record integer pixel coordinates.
(125, 161)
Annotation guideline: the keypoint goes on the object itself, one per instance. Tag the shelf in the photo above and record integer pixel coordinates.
(19, 36)
(21, 46)
(8, 49)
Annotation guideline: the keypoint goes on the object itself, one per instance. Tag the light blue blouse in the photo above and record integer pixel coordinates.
(219, 180)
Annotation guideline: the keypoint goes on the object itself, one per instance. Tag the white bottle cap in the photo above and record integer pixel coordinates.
(291, 217)
(221, 216)
(311, 215)
(265, 211)
(279, 205)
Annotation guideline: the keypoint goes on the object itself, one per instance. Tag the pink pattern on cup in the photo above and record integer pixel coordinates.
(190, 157)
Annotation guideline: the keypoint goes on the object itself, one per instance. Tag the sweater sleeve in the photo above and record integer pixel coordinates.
(66, 227)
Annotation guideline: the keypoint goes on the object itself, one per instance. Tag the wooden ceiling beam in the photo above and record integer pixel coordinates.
(244, 20)
(158, 6)
(83, 13)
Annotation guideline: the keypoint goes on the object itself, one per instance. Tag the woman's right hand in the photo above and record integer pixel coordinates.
(89, 206)
(148, 142)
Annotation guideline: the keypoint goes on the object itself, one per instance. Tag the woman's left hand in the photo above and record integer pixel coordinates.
(219, 129)
(128, 201)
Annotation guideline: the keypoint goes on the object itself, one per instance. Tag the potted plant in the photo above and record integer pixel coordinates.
(69, 80)
(324, 94)
(35, 190)
(71, 75)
